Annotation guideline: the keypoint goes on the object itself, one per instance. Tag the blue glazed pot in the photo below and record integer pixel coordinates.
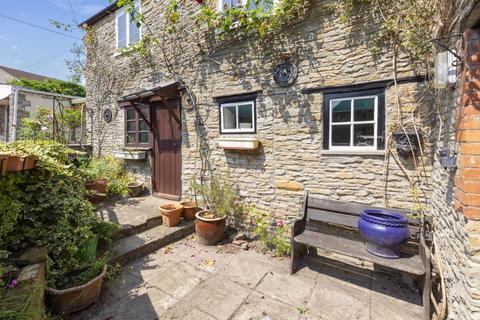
(384, 232)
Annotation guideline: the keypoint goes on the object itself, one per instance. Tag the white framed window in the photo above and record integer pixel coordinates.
(127, 30)
(353, 123)
(225, 4)
(237, 117)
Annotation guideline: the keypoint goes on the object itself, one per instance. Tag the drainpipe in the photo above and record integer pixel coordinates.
(15, 107)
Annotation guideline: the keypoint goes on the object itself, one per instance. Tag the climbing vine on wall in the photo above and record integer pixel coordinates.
(403, 28)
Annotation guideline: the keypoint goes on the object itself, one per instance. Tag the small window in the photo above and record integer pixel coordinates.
(128, 32)
(137, 131)
(237, 117)
(252, 4)
(354, 121)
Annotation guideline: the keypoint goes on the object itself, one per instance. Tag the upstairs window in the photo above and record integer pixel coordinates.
(354, 121)
(127, 30)
(252, 4)
(137, 131)
(237, 117)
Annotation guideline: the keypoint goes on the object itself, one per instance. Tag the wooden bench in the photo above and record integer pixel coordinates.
(332, 226)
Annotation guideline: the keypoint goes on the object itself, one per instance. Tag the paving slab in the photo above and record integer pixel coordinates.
(258, 306)
(133, 213)
(294, 291)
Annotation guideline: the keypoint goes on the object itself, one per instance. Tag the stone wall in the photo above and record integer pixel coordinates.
(289, 124)
(457, 229)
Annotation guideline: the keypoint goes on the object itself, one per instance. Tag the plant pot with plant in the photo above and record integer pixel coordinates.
(78, 290)
(218, 198)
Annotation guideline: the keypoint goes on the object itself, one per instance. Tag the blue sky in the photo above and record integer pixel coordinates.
(34, 50)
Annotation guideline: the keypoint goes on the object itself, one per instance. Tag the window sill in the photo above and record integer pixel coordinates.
(238, 143)
(130, 154)
(353, 153)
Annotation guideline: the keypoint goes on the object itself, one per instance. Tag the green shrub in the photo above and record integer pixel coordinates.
(110, 169)
(217, 195)
(273, 233)
(46, 206)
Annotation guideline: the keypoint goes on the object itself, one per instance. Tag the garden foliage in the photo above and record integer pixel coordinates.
(52, 85)
(46, 206)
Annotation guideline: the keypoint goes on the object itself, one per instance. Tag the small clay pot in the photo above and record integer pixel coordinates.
(100, 186)
(135, 189)
(171, 214)
(189, 210)
(209, 230)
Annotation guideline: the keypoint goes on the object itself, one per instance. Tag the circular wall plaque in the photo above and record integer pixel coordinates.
(107, 115)
(285, 74)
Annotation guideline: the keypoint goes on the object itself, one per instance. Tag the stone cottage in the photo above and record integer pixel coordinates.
(313, 109)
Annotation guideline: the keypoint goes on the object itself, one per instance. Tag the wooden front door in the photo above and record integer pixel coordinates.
(167, 150)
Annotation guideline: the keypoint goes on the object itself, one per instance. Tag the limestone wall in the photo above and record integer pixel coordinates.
(289, 123)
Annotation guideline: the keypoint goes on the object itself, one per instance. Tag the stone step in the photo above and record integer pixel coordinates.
(138, 245)
(139, 226)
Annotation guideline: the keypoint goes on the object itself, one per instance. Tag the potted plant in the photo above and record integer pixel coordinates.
(135, 189)
(78, 290)
(218, 198)
(190, 208)
(171, 214)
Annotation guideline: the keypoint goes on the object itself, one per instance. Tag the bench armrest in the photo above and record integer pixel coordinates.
(298, 226)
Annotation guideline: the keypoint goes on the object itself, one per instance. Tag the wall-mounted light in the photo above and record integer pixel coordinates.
(445, 69)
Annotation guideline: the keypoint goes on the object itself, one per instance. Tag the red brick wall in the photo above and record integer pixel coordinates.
(467, 182)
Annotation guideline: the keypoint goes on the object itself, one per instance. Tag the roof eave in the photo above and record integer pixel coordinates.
(99, 15)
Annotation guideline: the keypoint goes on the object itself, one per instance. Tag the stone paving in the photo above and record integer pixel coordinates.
(189, 281)
(133, 211)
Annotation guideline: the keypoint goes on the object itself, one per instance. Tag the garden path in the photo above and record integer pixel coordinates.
(188, 281)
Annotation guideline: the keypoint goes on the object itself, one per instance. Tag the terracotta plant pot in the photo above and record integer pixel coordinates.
(77, 298)
(3, 163)
(100, 186)
(29, 163)
(15, 163)
(135, 189)
(209, 230)
(190, 208)
(171, 214)
(96, 197)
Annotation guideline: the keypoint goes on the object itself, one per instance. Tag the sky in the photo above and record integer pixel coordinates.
(32, 49)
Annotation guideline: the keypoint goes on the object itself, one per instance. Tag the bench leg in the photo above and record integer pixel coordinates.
(426, 284)
(297, 251)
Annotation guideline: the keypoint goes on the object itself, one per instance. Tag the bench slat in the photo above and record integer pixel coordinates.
(351, 208)
(342, 219)
(410, 264)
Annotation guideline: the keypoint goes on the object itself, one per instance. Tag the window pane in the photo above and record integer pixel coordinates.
(245, 120)
(230, 3)
(265, 4)
(131, 138)
(131, 114)
(143, 137)
(134, 35)
(364, 109)
(229, 118)
(131, 126)
(143, 125)
(121, 31)
(341, 135)
(144, 111)
(363, 135)
(341, 111)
